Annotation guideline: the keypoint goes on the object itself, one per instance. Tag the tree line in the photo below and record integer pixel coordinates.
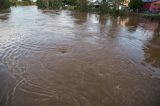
(105, 6)
(5, 4)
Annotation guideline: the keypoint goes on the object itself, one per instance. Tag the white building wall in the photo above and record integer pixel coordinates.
(94, 0)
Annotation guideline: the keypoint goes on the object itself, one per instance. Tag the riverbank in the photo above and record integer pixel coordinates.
(5, 10)
(151, 16)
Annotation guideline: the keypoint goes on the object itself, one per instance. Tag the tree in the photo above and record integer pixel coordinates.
(55, 4)
(83, 4)
(51, 4)
(116, 3)
(70, 2)
(28, 1)
(104, 7)
(40, 3)
(4, 4)
(136, 4)
(13, 2)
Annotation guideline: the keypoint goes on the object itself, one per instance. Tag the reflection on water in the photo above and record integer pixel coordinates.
(132, 24)
(81, 17)
(6, 85)
(65, 58)
(4, 15)
(152, 49)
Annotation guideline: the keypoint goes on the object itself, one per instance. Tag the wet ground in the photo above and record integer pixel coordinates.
(64, 58)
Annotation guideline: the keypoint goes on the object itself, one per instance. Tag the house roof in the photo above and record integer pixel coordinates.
(149, 0)
(157, 2)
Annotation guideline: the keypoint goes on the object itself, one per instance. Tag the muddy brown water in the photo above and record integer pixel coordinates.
(65, 58)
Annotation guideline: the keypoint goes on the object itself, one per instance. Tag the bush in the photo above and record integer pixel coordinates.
(103, 8)
(82, 5)
(55, 4)
(41, 4)
(50, 4)
(4, 4)
(123, 12)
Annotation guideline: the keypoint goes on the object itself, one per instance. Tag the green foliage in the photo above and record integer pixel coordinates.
(13, 2)
(4, 4)
(136, 4)
(104, 8)
(70, 2)
(27, 2)
(22, 3)
(50, 4)
(83, 5)
(55, 4)
(123, 12)
(41, 3)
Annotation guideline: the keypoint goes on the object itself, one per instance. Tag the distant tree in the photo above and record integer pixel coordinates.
(13, 2)
(51, 4)
(29, 1)
(83, 4)
(70, 2)
(41, 4)
(104, 8)
(136, 4)
(55, 4)
(4, 4)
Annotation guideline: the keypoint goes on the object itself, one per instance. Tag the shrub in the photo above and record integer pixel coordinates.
(4, 4)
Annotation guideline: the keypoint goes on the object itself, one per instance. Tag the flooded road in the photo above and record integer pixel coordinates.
(64, 58)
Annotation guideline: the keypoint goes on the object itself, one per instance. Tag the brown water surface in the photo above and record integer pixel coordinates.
(65, 58)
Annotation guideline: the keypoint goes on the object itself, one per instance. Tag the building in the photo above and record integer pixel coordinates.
(155, 6)
(111, 2)
(152, 5)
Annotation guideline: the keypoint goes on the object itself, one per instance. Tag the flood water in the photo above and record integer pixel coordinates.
(66, 58)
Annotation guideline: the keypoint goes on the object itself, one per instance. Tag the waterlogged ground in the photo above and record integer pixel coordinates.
(64, 58)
